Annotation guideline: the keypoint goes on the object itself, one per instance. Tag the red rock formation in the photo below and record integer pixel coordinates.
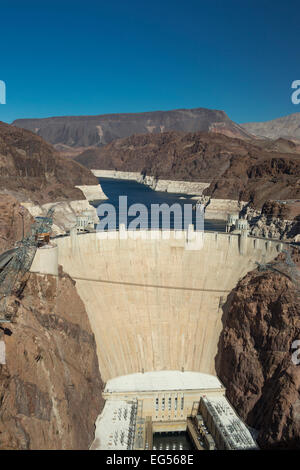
(170, 155)
(13, 218)
(275, 209)
(261, 321)
(32, 170)
(50, 387)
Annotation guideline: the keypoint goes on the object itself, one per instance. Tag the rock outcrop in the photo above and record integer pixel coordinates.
(276, 228)
(32, 170)
(275, 220)
(261, 321)
(13, 221)
(258, 176)
(64, 215)
(50, 385)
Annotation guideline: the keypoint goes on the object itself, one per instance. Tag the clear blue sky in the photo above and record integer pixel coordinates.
(94, 57)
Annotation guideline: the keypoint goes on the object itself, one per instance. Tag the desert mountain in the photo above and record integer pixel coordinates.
(91, 131)
(287, 127)
(31, 169)
(236, 169)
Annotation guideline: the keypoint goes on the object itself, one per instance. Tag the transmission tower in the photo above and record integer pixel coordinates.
(13, 273)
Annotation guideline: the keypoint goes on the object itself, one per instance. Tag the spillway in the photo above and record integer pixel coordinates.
(153, 304)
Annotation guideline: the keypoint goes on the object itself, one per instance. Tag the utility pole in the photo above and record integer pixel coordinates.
(21, 212)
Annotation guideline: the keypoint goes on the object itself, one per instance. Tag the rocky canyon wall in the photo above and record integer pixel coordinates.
(50, 385)
(260, 322)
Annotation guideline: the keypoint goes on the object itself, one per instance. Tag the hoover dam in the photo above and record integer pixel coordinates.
(153, 303)
(154, 300)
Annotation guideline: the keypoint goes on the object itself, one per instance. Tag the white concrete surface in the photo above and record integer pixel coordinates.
(121, 175)
(163, 380)
(46, 260)
(152, 304)
(234, 431)
(220, 208)
(114, 426)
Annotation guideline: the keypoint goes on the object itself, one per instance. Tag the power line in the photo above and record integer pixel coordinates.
(135, 284)
(14, 271)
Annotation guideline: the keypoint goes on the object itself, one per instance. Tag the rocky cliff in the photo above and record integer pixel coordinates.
(50, 385)
(13, 219)
(259, 176)
(261, 321)
(32, 170)
(280, 220)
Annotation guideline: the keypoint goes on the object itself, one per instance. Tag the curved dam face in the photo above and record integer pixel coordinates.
(153, 304)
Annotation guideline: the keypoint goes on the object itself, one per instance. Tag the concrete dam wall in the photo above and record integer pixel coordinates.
(154, 304)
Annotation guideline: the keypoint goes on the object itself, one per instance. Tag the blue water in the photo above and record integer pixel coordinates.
(141, 194)
(172, 441)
